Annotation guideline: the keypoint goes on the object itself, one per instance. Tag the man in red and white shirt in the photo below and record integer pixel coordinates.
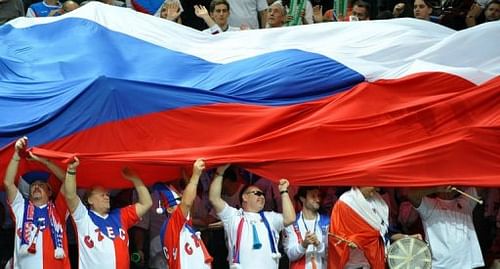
(102, 234)
(40, 240)
(359, 230)
(182, 245)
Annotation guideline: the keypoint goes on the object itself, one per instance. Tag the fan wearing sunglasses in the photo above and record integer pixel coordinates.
(252, 233)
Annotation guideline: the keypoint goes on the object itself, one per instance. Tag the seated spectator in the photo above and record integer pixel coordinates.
(10, 9)
(477, 16)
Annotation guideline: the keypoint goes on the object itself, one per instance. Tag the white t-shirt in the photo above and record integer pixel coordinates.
(249, 257)
(450, 231)
(294, 249)
(246, 12)
(104, 249)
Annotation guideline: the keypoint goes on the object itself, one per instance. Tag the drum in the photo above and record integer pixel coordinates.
(409, 253)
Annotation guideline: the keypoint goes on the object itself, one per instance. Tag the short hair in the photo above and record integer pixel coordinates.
(428, 3)
(280, 4)
(215, 3)
(244, 190)
(491, 3)
(366, 5)
(302, 192)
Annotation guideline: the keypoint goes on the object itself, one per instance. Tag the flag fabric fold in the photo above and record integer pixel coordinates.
(387, 103)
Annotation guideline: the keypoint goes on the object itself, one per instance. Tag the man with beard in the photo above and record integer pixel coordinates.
(40, 240)
(306, 240)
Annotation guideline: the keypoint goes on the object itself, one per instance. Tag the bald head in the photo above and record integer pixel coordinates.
(69, 6)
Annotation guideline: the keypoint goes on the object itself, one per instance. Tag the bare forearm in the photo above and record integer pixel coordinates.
(190, 191)
(10, 176)
(214, 194)
(143, 194)
(288, 210)
(209, 21)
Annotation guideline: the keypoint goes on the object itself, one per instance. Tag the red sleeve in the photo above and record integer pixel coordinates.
(172, 237)
(128, 216)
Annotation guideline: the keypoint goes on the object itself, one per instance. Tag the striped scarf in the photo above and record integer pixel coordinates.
(40, 218)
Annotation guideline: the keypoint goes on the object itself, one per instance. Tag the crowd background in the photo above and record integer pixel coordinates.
(144, 237)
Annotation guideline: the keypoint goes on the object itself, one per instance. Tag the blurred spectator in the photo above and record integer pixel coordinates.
(10, 9)
(477, 16)
(248, 13)
(44, 9)
(422, 9)
(217, 20)
(69, 6)
(398, 10)
(170, 10)
(360, 11)
(276, 15)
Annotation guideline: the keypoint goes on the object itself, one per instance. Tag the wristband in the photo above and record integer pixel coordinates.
(285, 191)
(16, 159)
(71, 172)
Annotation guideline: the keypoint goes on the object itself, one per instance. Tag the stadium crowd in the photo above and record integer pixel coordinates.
(228, 217)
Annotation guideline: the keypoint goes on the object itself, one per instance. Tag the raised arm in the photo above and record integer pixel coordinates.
(214, 193)
(201, 12)
(69, 186)
(145, 202)
(416, 195)
(190, 191)
(55, 169)
(12, 167)
(287, 205)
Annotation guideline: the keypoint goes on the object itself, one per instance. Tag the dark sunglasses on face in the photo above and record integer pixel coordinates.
(256, 193)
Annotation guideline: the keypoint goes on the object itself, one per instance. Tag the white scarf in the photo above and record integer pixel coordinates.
(375, 212)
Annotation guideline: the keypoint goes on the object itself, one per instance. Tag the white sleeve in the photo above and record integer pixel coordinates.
(467, 201)
(80, 213)
(276, 220)
(17, 205)
(426, 206)
(293, 249)
(227, 213)
(214, 29)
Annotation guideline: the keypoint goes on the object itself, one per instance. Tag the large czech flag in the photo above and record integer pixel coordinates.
(397, 102)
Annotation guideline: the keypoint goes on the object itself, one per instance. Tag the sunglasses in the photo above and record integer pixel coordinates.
(256, 193)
